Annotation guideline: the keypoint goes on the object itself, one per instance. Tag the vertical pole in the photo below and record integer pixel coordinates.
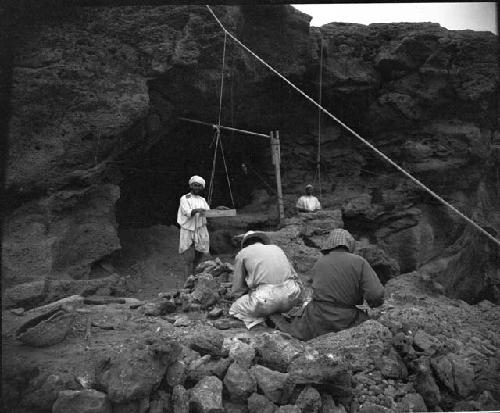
(276, 151)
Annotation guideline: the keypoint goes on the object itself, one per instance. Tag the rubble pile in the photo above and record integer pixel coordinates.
(203, 291)
(425, 352)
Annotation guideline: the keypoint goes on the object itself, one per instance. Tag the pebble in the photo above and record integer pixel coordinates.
(183, 322)
(215, 313)
(17, 311)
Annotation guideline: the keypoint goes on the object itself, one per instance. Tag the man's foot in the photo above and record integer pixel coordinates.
(280, 323)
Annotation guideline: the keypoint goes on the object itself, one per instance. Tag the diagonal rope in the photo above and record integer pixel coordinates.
(372, 147)
(318, 157)
(227, 174)
(217, 138)
(222, 78)
(214, 161)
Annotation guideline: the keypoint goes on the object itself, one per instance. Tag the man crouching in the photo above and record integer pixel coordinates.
(262, 270)
(341, 280)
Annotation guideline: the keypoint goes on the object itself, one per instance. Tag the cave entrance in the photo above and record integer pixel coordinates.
(154, 181)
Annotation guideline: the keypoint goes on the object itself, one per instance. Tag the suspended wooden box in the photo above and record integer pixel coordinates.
(216, 213)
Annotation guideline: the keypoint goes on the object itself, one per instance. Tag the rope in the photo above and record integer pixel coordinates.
(372, 147)
(217, 139)
(227, 174)
(318, 157)
(222, 78)
(214, 161)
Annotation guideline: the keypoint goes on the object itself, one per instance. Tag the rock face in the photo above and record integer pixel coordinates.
(61, 235)
(89, 115)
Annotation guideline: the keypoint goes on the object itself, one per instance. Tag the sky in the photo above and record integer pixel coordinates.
(454, 16)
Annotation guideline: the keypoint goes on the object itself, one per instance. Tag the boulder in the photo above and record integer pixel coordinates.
(206, 396)
(423, 341)
(132, 374)
(260, 404)
(218, 368)
(455, 372)
(206, 291)
(241, 352)
(277, 351)
(309, 400)
(329, 359)
(412, 402)
(43, 390)
(180, 399)
(159, 307)
(425, 384)
(392, 366)
(269, 382)
(239, 383)
(208, 341)
(82, 401)
(176, 373)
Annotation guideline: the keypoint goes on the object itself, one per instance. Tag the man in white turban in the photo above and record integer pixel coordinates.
(308, 202)
(194, 239)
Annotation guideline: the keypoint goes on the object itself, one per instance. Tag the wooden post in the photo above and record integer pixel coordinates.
(276, 157)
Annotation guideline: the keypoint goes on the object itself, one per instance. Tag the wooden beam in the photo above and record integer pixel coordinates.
(275, 151)
(246, 132)
(216, 213)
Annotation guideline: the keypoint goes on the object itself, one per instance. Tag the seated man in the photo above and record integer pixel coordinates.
(308, 202)
(340, 281)
(262, 270)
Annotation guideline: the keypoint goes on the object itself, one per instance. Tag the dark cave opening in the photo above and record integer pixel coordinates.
(154, 181)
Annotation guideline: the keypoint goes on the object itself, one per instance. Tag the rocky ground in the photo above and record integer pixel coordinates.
(176, 350)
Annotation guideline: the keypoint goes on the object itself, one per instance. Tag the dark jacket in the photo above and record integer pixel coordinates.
(341, 280)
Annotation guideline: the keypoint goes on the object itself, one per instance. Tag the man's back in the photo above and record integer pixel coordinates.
(264, 264)
(344, 278)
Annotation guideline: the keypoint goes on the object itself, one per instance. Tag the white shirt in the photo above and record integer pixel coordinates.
(260, 264)
(309, 202)
(187, 203)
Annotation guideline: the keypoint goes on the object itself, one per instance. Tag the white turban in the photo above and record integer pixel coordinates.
(197, 180)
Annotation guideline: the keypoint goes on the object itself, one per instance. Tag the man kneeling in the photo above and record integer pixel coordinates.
(262, 270)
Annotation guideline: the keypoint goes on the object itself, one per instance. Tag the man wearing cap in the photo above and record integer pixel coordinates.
(264, 280)
(341, 280)
(194, 239)
(308, 202)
